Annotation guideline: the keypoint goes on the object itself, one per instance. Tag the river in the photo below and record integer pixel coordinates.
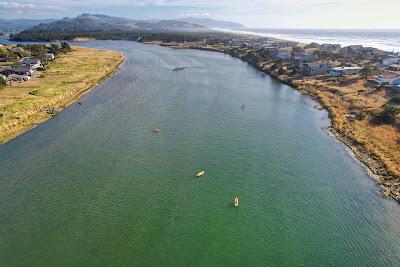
(95, 185)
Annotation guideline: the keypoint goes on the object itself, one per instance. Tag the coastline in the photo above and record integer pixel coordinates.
(41, 110)
(379, 172)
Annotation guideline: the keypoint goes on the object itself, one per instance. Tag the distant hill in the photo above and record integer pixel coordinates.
(18, 25)
(212, 23)
(103, 23)
(101, 27)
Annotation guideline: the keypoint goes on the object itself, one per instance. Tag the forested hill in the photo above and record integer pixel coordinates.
(100, 27)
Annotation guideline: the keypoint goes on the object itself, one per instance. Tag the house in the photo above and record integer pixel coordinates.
(20, 70)
(17, 49)
(283, 55)
(312, 45)
(395, 67)
(390, 61)
(303, 57)
(386, 78)
(315, 68)
(340, 71)
(49, 56)
(5, 59)
(352, 49)
(330, 47)
(396, 82)
(19, 78)
(32, 62)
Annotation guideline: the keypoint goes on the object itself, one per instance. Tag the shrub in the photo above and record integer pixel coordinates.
(2, 81)
(360, 115)
(396, 100)
(388, 115)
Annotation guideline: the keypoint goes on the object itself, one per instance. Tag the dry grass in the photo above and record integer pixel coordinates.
(382, 141)
(24, 105)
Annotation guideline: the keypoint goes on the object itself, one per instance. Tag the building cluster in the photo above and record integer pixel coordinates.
(25, 69)
(318, 59)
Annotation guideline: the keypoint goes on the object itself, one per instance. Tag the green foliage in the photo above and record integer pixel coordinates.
(396, 100)
(2, 81)
(37, 50)
(388, 115)
(65, 47)
(368, 71)
(360, 115)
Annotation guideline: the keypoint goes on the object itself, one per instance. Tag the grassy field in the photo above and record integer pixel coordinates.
(24, 105)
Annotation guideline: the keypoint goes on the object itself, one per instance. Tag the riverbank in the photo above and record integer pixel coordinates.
(25, 105)
(375, 145)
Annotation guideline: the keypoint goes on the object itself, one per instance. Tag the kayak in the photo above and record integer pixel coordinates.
(236, 202)
(200, 174)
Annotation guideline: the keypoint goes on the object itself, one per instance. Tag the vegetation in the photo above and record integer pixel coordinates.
(388, 114)
(2, 81)
(36, 50)
(68, 77)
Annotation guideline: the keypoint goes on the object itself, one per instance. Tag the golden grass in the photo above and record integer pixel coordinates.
(66, 79)
(382, 141)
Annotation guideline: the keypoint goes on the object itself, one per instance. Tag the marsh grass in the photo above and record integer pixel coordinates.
(65, 80)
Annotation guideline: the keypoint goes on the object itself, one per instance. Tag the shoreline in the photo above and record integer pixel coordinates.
(89, 85)
(376, 167)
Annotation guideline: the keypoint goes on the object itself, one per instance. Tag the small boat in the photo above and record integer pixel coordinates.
(199, 174)
(179, 67)
(157, 130)
(236, 202)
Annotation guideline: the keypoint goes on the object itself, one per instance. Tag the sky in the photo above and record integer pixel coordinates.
(334, 14)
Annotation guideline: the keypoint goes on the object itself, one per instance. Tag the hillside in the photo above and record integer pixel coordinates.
(212, 23)
(17, 25)
(69, 28)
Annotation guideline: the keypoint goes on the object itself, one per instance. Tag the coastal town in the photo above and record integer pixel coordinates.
(359, 86)
(19, 63)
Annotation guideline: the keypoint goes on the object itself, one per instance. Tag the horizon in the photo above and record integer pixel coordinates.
(271, 14)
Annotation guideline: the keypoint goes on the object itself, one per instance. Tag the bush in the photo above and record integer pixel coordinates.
(360, 115)
(396, 100)
(388, 115)
(2, 81)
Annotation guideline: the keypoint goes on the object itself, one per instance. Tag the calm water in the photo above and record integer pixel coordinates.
(387, 40)
(95, 186)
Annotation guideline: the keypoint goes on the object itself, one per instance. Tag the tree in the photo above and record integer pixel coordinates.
(2, 81)
(388, 115)
(65, 47)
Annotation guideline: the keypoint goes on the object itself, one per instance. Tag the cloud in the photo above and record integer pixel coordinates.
(26, 7)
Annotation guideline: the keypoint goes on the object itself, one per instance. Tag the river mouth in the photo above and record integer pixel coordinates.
(96, 185)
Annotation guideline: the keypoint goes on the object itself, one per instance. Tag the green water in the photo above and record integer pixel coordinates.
(95, 186)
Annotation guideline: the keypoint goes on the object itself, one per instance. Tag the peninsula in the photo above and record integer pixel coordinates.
(36, 95)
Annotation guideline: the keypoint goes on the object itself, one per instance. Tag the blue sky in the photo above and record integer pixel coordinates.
(251, 13)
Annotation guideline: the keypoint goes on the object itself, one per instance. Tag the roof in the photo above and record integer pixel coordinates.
(388, 75)
(346, 68)
(30, 60)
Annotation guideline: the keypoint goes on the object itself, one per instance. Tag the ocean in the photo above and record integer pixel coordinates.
(387, 40)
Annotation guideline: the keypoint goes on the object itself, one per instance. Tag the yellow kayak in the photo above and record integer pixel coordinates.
(236, 202)
(200, 174)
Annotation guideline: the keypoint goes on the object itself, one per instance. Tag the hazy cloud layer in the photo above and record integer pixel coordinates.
(256, 13)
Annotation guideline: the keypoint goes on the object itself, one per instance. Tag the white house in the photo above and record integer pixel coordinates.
(390, 61)
(339, 71)
(49, 56)
(32, 62)
(315, 68)
(386, 78)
